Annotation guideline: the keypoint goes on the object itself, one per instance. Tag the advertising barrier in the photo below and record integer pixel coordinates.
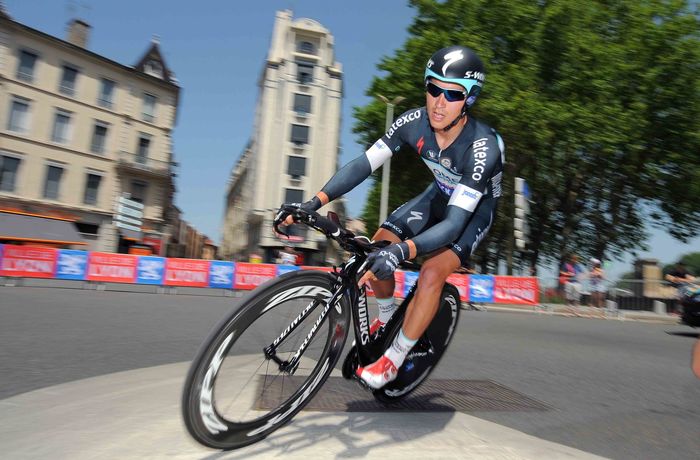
(112, 268)
(69, 264)
(28, 261)
(187, 272)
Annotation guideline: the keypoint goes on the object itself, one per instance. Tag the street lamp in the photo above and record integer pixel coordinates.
(386, 168)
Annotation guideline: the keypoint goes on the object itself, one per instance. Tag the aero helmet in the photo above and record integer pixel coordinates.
(460, 65)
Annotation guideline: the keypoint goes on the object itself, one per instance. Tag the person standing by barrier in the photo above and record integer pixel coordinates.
(570, 279)
(596, 282)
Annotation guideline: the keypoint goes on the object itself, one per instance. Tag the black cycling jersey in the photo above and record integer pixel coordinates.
(467, 173)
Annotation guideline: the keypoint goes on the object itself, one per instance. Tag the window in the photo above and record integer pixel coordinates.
(296, 166)
(138, 191)
(92, 185)
(142, 149)
(61, 127)
(302, 103)
(305, 72)
(8, 173)
(19, 116)
(106, 93)
(300, 134)
(149, 107)
(25, 71)
(70, 74)
(292, 195)
(99, 137)
(53, 181)
(306, 47)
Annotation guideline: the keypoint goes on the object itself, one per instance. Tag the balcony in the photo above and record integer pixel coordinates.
(143, 165)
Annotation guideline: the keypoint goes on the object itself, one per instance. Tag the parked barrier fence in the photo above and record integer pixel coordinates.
(70, 264)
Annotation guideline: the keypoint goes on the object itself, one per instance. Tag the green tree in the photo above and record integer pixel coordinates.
(691, 261)
(598, 104)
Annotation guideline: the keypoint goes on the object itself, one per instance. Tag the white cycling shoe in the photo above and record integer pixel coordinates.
(378, 374)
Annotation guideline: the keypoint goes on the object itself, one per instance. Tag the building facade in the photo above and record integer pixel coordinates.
(294, 148)
(78, 131)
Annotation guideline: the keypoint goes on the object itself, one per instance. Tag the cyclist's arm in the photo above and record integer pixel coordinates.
(354, 173)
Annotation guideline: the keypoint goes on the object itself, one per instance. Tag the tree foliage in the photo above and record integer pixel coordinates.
(599, 106)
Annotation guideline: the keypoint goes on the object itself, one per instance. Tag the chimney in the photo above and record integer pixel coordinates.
(78, 32)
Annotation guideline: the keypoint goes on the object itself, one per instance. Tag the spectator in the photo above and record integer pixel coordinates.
(570, 279)
(596, 278)
(679, 277)
(287, 256)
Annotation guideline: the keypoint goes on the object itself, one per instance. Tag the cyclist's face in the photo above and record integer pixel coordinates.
(442, 112)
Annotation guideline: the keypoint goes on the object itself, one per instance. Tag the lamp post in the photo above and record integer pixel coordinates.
(386, 167)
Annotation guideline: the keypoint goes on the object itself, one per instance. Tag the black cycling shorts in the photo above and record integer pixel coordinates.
(425, 210)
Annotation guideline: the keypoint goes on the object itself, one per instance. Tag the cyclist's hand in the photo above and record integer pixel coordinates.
(283, 218)
(383, 263)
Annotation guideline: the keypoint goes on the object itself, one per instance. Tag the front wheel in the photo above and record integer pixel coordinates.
(239, 389)
(426, 353)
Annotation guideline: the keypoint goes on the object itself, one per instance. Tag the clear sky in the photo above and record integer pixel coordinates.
(217, 50)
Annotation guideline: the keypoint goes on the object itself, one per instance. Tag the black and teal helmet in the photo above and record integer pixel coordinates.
(460, 65)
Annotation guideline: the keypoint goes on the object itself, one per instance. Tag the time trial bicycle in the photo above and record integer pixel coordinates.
(267, 359)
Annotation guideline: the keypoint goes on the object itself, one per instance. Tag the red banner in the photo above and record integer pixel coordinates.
(461, 282)
(187, 272)
(28, 261)
(249, 276)
(112, 268)
(513, 289)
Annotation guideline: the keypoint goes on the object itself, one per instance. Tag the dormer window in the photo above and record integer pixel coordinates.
(153, 68)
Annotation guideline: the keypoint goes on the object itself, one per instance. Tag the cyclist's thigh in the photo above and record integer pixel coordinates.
(413, 217)
(475, 231)
(384, 234)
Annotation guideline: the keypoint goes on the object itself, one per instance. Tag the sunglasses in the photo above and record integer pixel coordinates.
(451, 95)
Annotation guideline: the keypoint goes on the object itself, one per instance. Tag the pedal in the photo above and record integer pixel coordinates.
(362, 383)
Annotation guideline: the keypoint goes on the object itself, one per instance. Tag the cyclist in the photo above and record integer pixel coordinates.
(449, 218)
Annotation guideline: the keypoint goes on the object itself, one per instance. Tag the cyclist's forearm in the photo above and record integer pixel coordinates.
(441, 234)
(354, 173)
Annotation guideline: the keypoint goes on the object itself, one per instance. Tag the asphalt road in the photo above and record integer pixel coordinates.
(618, 389)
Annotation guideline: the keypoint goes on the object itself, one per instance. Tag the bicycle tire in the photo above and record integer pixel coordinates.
(426, 354)
(252, 417)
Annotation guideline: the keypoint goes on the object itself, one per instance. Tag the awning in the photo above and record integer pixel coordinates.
(38, 229)
(129, 234)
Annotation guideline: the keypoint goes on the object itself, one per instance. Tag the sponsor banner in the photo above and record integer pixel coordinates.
(150, 270)
(28, 261)
(514, 289)
(112, 268)
(221, 274)
(250, 276)
(71, 264)
(282, 269)
(481, 288)
(461, 282)
(187, 272)
(409, 279)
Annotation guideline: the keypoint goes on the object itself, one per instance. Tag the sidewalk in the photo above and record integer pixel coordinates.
(586, 312)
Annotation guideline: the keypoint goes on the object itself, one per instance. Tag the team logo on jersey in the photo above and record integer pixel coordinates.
(432, 155)
(446, 162)
(415, 215)
(419, 144)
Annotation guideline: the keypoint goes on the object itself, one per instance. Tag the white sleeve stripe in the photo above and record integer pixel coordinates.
(378, 154)
(465, 197)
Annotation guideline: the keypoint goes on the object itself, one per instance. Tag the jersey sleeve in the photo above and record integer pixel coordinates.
(354, 173)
